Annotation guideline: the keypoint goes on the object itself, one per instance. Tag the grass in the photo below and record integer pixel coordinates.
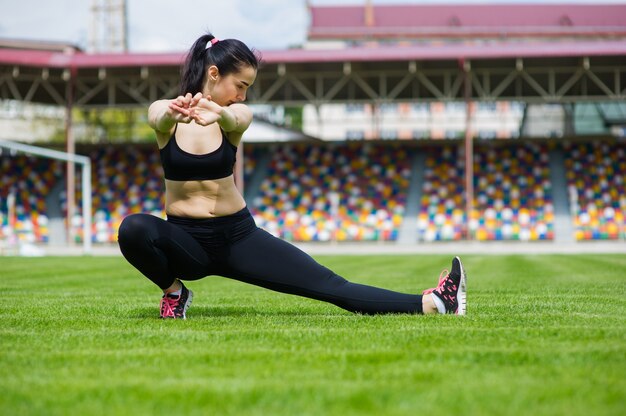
(545, 335)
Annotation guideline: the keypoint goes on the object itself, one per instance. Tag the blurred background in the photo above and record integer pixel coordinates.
(399, 123)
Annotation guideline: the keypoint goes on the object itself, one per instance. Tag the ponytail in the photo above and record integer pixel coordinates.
(228, 55)
(192, 77)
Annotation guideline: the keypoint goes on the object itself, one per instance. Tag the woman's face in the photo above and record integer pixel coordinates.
(231, 88)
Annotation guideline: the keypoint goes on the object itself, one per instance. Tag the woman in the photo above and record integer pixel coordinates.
(209, 230)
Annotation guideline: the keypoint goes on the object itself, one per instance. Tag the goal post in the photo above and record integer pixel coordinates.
(85, 163)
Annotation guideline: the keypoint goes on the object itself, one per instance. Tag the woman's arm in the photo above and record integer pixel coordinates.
(160, 117)
(164, 114)
(235, 118)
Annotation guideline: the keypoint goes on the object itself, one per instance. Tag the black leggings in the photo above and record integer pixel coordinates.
(234, 247)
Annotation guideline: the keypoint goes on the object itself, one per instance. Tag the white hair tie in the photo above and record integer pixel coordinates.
(211, 43)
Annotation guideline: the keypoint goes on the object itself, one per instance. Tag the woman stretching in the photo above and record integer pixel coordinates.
(209, 230)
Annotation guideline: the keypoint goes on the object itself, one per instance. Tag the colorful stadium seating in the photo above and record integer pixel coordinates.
(125, 180)
(334, 192)
(351, 191)
(596, 173)
(29, 179)
(442, 207)
(512, 194)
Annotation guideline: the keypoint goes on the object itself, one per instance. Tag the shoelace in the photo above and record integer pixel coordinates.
(442, 278)
(167, 306)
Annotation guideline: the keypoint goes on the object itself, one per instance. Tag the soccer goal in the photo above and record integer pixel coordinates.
(85, 163)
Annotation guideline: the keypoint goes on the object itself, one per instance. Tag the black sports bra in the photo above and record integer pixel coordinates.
(179, 165)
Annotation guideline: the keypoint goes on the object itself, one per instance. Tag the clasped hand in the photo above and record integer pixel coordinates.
(198, 108)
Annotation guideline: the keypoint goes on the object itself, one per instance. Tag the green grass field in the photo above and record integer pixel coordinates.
(544, 335)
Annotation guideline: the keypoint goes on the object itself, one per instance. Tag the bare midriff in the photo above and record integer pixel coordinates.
(203, 199)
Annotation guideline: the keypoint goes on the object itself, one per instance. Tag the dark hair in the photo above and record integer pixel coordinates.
(228, 55)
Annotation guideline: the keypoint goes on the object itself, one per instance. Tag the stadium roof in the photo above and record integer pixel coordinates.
(491, 50)
(547, 71)
(532, 52)
(476, 20)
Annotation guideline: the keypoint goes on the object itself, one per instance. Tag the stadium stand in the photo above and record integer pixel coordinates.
(442, 214)
(126, 180)
(29, 179)
(369, 182)
(513, 195)
(596, 172)
(512, 198)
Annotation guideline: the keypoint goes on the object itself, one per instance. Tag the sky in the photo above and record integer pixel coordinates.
(172, 26)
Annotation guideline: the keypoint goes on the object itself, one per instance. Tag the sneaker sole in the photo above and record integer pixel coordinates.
(461, 294)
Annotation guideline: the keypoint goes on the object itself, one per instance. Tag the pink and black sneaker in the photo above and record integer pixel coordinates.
(175, 306)
(451, 290)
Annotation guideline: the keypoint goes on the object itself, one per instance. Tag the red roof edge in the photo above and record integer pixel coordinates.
(493, 50)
